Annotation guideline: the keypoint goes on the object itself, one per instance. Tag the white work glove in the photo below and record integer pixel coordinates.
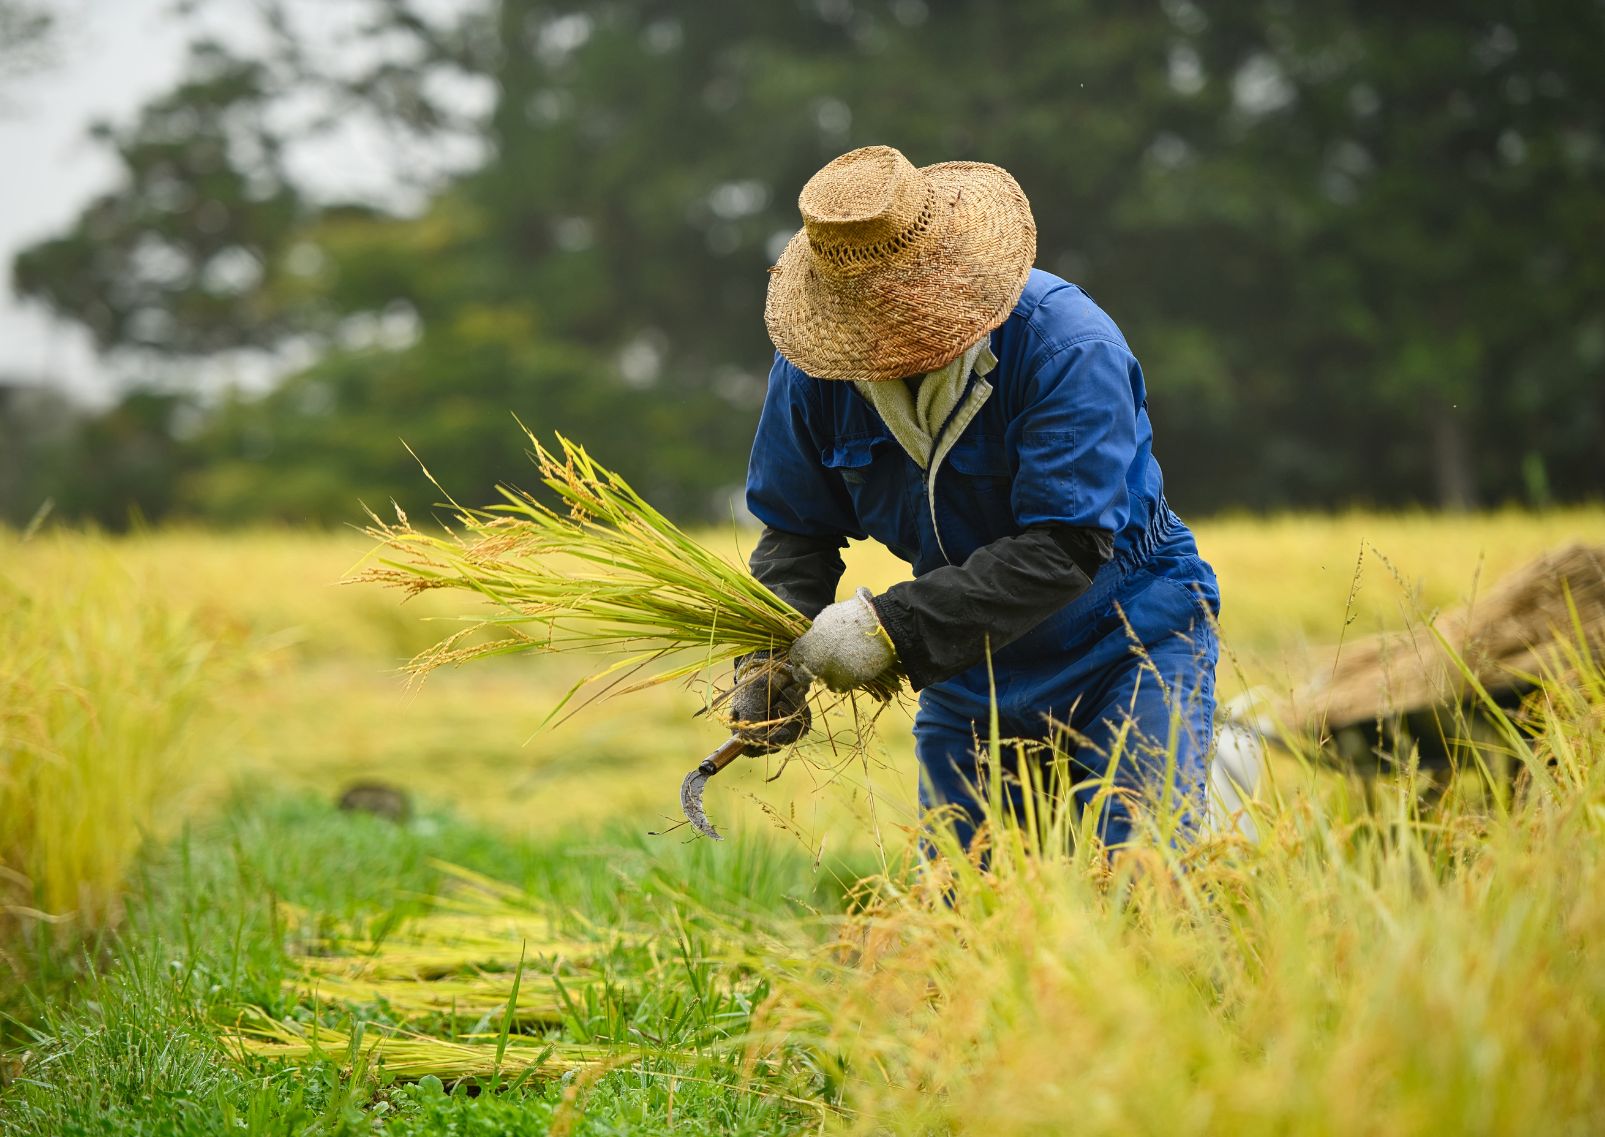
(845, 647)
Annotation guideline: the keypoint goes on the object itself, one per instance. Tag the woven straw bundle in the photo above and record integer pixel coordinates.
(1506, 641)
(897, 270)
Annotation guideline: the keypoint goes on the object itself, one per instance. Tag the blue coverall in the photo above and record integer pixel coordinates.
(1064, 438)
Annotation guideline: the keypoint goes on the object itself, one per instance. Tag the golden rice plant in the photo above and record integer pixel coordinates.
(101, 673)
(607, 574)
(1375, 964)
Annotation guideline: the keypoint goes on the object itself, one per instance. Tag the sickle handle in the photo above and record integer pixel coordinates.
(722, 757)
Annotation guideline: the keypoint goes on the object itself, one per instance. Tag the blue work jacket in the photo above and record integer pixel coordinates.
(1063, 438)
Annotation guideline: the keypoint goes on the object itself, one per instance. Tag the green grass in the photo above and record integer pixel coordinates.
(137, 1048)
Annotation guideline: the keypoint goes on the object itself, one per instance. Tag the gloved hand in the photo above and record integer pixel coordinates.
(769, 706)
(845, 647)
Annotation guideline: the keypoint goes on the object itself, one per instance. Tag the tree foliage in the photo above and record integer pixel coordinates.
(27, 37)
(1358, 248)
(187, 255)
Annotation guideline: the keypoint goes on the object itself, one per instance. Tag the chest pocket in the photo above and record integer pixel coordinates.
(974, 489)
(852, 458)
(980, 456)
(982, 463)
(875, 473)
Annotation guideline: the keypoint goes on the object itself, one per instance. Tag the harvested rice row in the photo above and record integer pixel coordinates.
(461, 998)
(409, 1055)
(489, 956)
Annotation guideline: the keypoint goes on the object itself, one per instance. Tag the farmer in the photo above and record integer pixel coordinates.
(987, 423)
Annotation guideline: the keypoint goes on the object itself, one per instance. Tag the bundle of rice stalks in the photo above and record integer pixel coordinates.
(609, 575)
(410, 1055)
(471, 998)
(1503, 643)
(482, 925)
(487, 951)
(487, 969)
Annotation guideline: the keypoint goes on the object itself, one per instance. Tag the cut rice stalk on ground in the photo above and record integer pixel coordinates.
(485, 950)
(408, 1055)
(489, 973)
(481, 925)
(465, 999)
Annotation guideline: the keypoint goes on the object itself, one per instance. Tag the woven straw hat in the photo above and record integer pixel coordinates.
(897, 270)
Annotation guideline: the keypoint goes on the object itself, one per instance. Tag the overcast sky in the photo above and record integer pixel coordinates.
(111, 56)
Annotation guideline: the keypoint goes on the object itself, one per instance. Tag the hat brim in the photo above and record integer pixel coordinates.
(920, 312)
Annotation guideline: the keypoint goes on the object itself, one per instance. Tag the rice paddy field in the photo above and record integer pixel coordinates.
(194, 939)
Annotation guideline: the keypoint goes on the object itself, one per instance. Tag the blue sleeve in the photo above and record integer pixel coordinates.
(788, 486)
(1078, 436)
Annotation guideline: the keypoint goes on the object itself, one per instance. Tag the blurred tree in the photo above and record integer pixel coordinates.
(114, 467)
(1358, 248)
(601, 274)
(1430, 181)
(127, 461)
(187, 257)
(37, 428)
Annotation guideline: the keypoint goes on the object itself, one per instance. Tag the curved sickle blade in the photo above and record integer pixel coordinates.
(697, 780)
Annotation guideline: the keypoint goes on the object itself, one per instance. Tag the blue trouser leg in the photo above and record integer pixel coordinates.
(950, 775)
(1154, 721)
(1142, 694)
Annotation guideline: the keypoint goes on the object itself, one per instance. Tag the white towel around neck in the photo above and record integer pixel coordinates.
(928, 421)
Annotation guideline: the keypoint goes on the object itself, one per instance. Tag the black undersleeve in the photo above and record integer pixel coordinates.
(802, 571)
(943, 622)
